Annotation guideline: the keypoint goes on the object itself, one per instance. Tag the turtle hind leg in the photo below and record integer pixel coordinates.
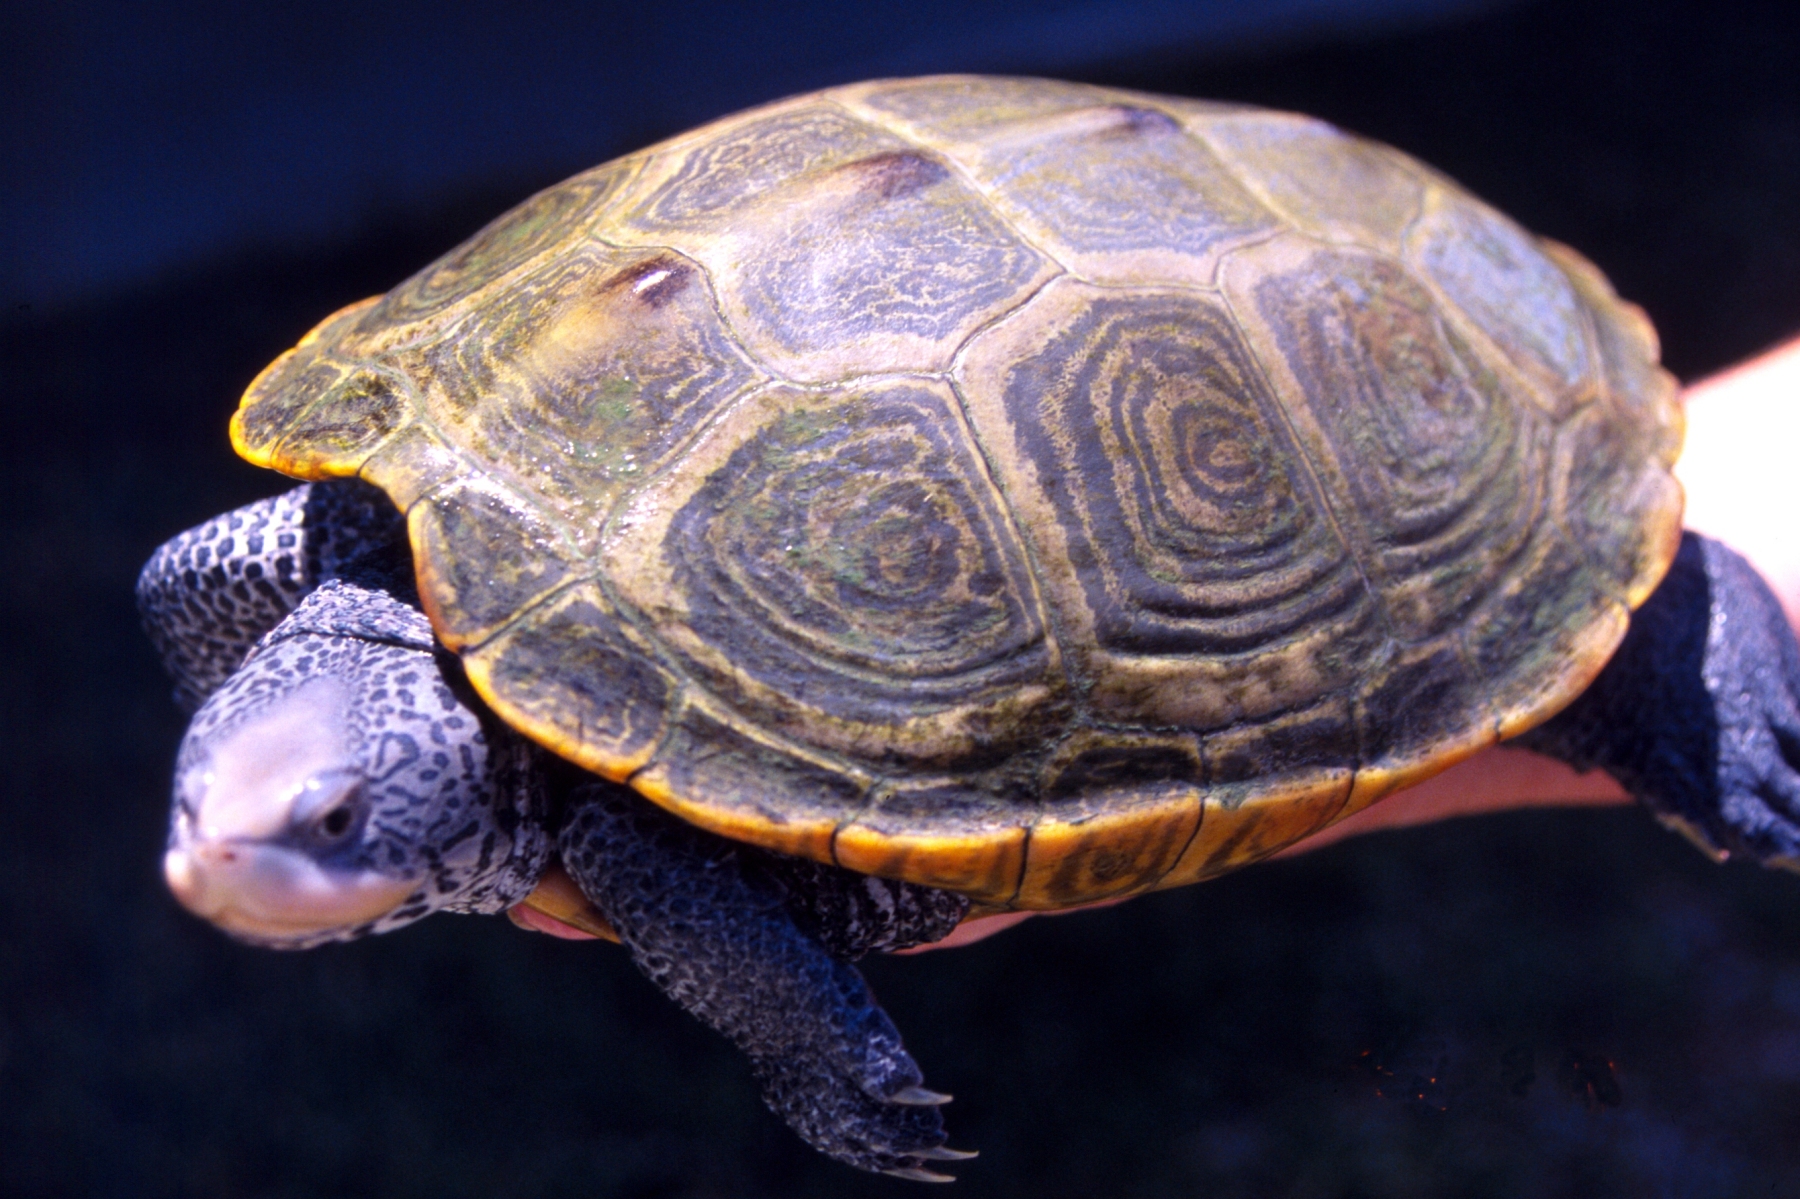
(719, 940)
(854, 915)
(1698, 713)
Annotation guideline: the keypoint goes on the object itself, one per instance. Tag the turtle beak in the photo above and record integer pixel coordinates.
(265, 810)
(271, 894)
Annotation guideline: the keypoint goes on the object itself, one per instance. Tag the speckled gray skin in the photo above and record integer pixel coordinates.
(208, 595)
(854, 915)
(707, 923)
(309, 593)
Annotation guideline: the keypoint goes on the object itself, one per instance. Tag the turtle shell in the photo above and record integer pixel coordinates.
(1042, 491)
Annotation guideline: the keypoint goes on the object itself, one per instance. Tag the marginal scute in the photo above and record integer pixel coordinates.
(348, 423)
(1434, 460)
(573, 677)
(281, 395)
(1617, 501)
(1248, 821)
(836, 564)
(1544, 634)
(1640, 391)
(278, 398)
(754, 787)
(1269, 783)
(955, 833)
(1333, 185)
(1119, 809)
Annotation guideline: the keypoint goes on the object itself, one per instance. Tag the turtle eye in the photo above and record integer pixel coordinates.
(336, 822)
(329, 808)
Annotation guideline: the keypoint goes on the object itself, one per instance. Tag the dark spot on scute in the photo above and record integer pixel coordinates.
(986, 583)
(896, 173)
(653, 283)
(1138, 122)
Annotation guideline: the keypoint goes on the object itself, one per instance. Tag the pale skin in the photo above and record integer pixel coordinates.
(1737, 472)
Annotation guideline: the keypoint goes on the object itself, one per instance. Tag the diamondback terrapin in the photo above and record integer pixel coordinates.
(930, 496)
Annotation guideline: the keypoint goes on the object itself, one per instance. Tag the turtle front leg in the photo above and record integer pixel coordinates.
(1698, 713)
(711, 927)
(208, 595)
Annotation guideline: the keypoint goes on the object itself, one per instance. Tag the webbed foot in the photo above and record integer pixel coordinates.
(718, 939)
(1698, 713)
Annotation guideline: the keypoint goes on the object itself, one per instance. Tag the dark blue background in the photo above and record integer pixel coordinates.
(1539, 1004)
(149, 135)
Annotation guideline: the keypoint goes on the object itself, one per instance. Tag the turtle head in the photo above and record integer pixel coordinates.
(342, 783)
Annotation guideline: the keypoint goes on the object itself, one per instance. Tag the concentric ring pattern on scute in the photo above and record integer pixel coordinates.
(837, 563)
(1044, 491)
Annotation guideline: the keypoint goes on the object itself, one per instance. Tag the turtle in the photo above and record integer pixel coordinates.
(934, 497)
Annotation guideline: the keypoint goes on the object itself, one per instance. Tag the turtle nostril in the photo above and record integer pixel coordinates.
(214, 853)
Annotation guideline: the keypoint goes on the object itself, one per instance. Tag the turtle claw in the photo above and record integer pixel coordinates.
(916, 1096)
(943, 1153)
(721, 941)
(918, 1174)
